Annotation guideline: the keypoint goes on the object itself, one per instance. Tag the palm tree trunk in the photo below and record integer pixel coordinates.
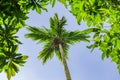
(66, 69)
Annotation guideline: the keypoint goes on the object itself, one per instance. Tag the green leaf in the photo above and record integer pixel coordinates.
(97, 39)
(89, 30)
(106, 38)
(118, 67)
(89, 23)
(91, 2)
(24, 57)
(12, 72)
(9, 73)
(19, 42)
(118, 44)
(115, 59)
(79, 18)
(46, 53)
(53, 2)
(92, 46)
(15, 48)
(63, 2)
(15, 67)
(45, 9)
(1, 70)
(57, 52)
(103, 56)
(38, 9)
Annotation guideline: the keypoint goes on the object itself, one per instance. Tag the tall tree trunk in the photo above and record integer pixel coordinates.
(66, 69)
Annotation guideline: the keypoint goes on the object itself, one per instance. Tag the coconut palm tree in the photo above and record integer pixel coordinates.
(57, 40)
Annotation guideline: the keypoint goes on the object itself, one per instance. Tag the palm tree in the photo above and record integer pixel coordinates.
(57, 40)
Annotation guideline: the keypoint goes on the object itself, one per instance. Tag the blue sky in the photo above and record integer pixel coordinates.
(83, 64)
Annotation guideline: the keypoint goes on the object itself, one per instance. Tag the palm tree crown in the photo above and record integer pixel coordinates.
(57, 40)
(54, 36)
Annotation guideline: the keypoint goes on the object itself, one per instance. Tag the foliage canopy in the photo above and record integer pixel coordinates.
(94, 12)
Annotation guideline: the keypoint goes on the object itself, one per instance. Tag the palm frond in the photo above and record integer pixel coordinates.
(52, 24)
(76, 36)
(89, 30)
(65, 49)
(61, 25)
(56, 25)
(58, 54)
(46, 53)
(39, 34)
(62, 22)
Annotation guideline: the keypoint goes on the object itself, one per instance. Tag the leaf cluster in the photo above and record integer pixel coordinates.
(10, 60)
(96, 13)
(109, 44)
(13, 14)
